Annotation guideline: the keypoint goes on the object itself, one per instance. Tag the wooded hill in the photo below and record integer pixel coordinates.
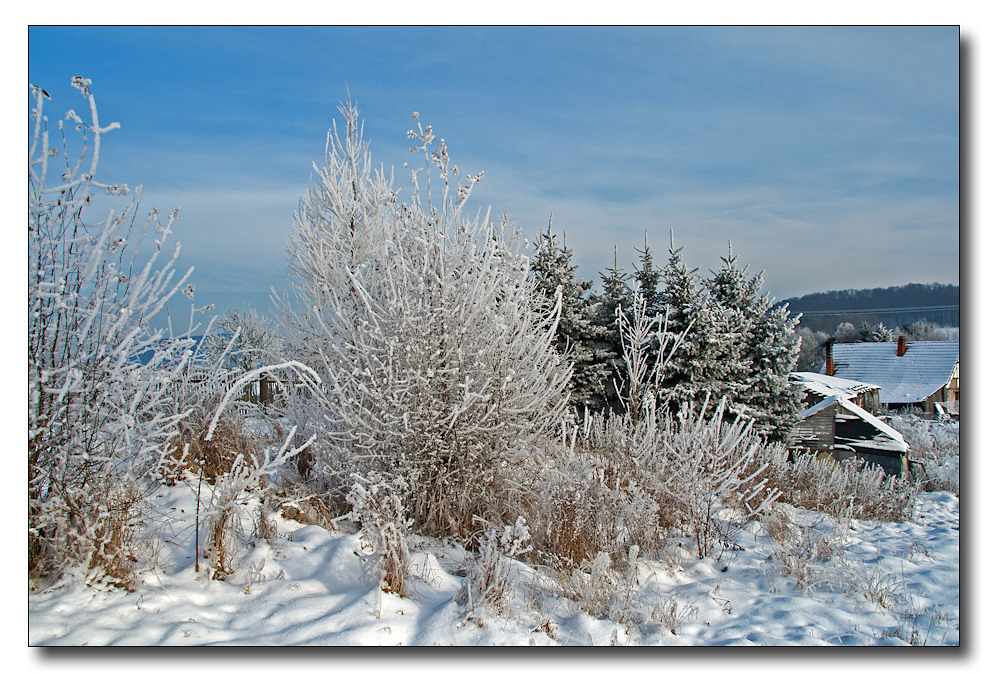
(937, 303)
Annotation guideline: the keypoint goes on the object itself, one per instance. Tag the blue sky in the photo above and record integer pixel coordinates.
(829, 157)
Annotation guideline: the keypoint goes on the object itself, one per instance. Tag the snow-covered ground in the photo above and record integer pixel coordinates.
(886, 584)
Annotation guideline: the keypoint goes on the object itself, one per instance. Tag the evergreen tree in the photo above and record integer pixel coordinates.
(577, 336)
(774, 351)
(763, 349)
(648, 277)
(736, 297)
(699, 365)
(616, 296)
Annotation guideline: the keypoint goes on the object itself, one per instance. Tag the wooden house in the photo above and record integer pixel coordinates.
(921, 375)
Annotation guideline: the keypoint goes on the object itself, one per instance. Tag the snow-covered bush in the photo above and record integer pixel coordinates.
(379, 508)
(438, 367)
(100, 404)
(935, 446)
(226, 509)
(839, 488)
(491, 580)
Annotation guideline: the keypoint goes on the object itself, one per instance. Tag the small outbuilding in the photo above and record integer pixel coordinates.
(838, 427)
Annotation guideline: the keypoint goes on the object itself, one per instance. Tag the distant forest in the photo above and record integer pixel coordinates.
(935, 302)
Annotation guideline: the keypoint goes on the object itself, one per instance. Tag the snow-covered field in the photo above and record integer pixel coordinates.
(886, 584)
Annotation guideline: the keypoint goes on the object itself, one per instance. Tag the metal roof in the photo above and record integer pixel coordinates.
(910, 378)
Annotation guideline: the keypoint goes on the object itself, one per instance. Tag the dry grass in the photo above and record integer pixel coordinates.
(576, 523)
(838, 488)
(190, 450)
(301, 503)
(98, 528)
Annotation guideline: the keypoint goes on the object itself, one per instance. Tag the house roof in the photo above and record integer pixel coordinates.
(911, 378)
(826, 385)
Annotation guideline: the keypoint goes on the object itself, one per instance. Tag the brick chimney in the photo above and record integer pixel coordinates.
(901, 349)
(828, 349)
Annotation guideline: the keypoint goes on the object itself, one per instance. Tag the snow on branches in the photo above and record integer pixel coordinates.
(439, 368)
(100, 408)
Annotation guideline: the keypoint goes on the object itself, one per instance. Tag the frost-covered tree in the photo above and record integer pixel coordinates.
(578, 337)
(924, 331)
(438, 366)
(244, 339)
(845, 333)
(866, 332)
(810, 349)
(702, 364)
(612, 301)
(874, 333)
(764, 349)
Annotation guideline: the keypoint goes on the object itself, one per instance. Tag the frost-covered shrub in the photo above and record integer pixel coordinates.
(935, 445)
(299, 502)
(379, 507)
(491, 580)
(101, 527)
(101, 408)
(191, 451)
(713, 473)
(839, 488)
(226, 508)
(421, 321)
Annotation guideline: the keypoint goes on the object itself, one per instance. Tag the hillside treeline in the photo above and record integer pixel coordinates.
(936, 303)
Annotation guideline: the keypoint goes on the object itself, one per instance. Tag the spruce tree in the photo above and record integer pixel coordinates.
(615, 296)
(763, 348)
(736, 298)
(700, 365)
(577, 336)
(648, 277)
(772, 402)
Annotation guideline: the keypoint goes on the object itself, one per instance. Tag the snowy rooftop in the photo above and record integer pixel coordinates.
(910, 378)
(825, 385)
